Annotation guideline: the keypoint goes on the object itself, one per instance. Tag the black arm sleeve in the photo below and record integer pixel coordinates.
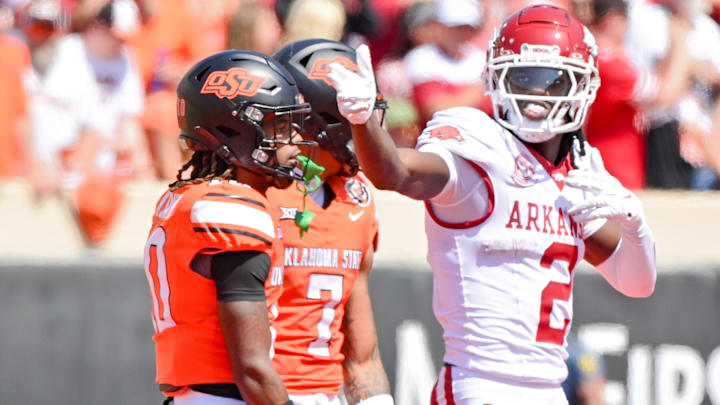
(240, 276)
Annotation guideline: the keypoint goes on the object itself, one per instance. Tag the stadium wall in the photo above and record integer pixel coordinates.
(79, 332)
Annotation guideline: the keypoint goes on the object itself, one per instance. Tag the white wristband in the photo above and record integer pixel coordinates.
(382, 399)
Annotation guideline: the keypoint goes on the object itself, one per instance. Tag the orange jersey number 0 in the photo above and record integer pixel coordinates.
(156, 273)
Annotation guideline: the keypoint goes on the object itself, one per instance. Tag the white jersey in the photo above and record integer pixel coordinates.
(502, 249)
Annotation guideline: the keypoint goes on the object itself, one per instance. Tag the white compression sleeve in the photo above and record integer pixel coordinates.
(630, 269)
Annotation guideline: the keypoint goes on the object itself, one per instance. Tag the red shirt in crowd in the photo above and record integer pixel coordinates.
(612, 122)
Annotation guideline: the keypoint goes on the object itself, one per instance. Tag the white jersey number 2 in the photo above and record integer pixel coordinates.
(328, 282)
(555, 291)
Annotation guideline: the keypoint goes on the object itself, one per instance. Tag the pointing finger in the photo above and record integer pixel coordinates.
(364, 62)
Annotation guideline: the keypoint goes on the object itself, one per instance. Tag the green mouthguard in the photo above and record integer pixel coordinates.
(311, 174)
(311, 181)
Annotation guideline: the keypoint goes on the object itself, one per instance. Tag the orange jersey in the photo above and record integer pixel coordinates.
(207, 218)
(320, 270)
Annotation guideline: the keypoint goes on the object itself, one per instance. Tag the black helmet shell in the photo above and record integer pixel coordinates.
(308, 62)
(224, 99)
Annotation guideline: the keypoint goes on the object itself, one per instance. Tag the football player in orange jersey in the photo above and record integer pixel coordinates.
(325, 330)
(213, 258)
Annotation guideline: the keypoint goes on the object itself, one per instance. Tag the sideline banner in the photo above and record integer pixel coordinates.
(80, 333)
(664, 350)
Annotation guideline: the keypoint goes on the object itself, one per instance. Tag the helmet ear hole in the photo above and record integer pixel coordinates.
(227, 132)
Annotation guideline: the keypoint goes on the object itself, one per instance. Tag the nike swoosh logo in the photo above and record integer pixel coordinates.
(354, 217)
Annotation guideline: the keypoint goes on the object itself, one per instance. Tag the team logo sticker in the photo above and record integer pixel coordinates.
(182, 119)
(358, 191)
(524, 174)
(232, 83)
(446, 132)
(321, 68)
(181, 107)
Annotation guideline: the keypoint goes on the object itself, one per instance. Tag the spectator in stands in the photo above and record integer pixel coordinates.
(26, 28)
(82, 12)
(654, 26)
(390, 36)
(28, 49)
(699, 143)
(85, 132)
(418, 27)
(361, 20)
(14, 63)
(254, 27)
(7, 17)
(13, 112)
(707, 177)
(614, 120)
(715, 10)
(167, 44)
(308, 19)
(585, 383)
(447, 72)
(213, 26)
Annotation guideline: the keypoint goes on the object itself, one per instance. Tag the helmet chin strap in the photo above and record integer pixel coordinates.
(535, 131)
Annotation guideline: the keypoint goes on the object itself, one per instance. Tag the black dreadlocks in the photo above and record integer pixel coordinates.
(206, 166)
(567, 146)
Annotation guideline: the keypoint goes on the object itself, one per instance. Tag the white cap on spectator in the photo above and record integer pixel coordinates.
(126, 17)
(122, 16)
(454, 13)
(45, 10)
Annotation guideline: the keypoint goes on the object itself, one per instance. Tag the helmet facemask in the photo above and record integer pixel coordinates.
(308, 61)
(540, 93)
(273, 126)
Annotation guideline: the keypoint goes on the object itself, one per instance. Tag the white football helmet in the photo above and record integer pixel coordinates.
(541, 73)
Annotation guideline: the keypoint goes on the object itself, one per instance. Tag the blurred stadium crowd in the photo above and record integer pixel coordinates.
(88, 86)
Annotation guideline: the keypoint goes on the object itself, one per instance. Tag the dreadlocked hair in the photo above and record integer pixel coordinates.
(206, 166)
(567, 146)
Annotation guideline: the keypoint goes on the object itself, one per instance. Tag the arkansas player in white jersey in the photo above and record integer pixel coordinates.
(513, 204)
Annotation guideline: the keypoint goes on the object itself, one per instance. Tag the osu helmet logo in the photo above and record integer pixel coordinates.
(232, 83)
(321, 68)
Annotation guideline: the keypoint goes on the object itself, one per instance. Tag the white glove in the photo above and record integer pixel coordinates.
(380, 399)
(356, 92)
(609, 199)
(630, 269)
